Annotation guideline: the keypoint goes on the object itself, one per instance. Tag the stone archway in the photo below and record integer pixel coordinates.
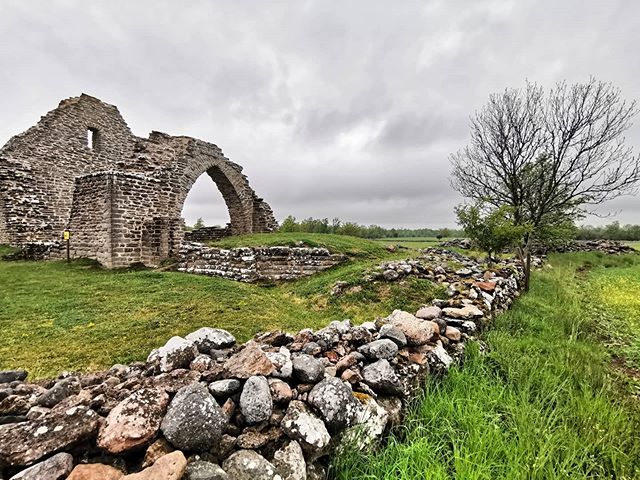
(120, 195)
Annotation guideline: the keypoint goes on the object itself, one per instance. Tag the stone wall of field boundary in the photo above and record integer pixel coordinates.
(276, 407)
(253, 264)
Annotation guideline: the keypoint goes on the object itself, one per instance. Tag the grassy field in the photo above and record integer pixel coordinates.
(55, 316)
(412, 242)
(553, 398)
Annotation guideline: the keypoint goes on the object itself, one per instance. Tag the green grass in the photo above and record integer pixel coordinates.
(635, 245)
(56, 316)
(412, 242)
(543, 403)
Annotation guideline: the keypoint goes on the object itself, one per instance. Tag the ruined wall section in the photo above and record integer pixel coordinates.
(91, 218)
(53, 178)
(38, 168)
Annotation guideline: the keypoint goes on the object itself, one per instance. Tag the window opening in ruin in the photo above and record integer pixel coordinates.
(92, 138)
(206, 202)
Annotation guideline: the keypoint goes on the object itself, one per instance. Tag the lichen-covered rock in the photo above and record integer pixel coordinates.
(201, 470)
(282, 361)
(307, 369)
(255, 401)
(167, 467)
(27, 442)
(301, 424)
(134, 421)
(249, 361)
(289, 462)
(53, 468)
(439, 360)
(383, 348)
(249, 465)
(202, 363)
(371, 424)
(206, 339)
(335, 402)
(382, 378)
(95, 471)
(416, 331)
(194, 421)
(176, 353)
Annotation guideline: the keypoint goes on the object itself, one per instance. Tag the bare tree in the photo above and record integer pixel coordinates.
(551, 157)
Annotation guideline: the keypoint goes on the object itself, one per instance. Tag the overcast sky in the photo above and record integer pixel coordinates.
(334, 108)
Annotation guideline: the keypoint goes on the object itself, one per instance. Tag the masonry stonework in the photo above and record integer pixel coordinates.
(81, 168)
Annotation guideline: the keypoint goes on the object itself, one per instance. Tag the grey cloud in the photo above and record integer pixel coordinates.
(334, 108)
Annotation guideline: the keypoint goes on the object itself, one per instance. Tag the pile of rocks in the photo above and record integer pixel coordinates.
(463, 243)
(605, 246)
(202, 407)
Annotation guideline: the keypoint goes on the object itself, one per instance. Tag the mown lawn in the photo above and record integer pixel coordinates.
(545, 402)
(56, 316)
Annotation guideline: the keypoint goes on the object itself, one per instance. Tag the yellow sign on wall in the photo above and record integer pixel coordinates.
(67, 234)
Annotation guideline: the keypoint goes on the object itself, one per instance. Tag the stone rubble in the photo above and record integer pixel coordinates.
(277, 407)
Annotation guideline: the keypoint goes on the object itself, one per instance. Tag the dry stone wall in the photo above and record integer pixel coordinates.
(275, 408)
(51, 175)
(253, 264)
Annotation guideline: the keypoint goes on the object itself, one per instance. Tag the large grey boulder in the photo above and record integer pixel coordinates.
(335, 402)
(176, 353)
(394, 334)
(206, 339)
(224, 388)
(382, 378)
(194, 421)
(307, 369)
(255, 401)
(301, 424)
(53, 468)
(378, 349)
(249, 465)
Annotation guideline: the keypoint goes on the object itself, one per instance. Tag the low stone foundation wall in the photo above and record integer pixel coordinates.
(205, 234)
(274, 408)
(252, 264)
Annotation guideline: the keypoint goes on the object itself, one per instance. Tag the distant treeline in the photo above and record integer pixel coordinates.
(613, 231)
(337, 226)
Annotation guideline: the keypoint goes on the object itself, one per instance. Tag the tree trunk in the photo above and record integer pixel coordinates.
(527, 271)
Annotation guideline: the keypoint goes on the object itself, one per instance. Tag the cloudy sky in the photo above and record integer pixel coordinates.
(334, 108)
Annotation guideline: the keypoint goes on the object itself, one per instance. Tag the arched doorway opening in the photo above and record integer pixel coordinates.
(205, 212)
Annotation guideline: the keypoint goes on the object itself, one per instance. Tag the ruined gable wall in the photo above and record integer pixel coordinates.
(38, 168)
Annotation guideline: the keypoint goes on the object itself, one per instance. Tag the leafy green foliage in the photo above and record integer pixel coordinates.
(199, 223)
(541, 404)
(493, 231)
(337, 226)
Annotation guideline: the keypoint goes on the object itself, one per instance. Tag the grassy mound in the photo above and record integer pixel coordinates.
(543, 403)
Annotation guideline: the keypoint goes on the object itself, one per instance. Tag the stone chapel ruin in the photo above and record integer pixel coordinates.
(81, 169)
